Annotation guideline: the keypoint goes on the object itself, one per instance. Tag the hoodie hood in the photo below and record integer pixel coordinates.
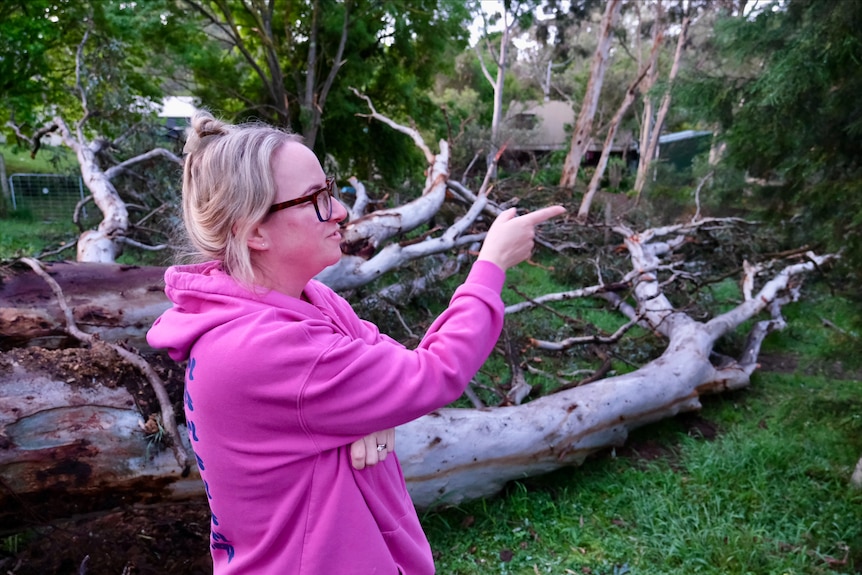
(204, 298)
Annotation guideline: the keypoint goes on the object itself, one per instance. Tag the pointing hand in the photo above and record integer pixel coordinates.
(510, 237)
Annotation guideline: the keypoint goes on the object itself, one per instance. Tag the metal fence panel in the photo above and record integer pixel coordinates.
(49, 197)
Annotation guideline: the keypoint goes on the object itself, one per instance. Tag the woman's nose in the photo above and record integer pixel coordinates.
(339, 212)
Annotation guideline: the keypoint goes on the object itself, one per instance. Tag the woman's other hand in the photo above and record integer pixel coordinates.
(510, 238)
(372, 449)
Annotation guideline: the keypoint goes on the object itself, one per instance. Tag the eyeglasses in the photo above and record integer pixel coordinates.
(322, 200)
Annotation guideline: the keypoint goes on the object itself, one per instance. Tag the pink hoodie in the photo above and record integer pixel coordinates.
(276, 390)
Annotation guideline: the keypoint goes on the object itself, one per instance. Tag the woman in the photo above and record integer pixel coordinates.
(283, 376)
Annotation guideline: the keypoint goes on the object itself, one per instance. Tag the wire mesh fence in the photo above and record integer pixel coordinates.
(49, 197)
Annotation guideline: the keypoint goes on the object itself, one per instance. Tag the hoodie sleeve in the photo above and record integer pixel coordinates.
(357, 385)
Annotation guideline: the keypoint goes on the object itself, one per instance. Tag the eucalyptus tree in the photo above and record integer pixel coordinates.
(91, 72)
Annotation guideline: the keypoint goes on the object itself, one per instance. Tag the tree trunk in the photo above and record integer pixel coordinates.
(584, 125)
(117, 302)
(629, 99)
(856, 479)
(497, 82)
(648, 153)
(103, 244)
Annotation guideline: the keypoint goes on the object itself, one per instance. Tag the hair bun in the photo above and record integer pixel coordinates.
(204, 127)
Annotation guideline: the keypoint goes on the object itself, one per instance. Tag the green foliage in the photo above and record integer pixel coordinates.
(125, 50)
(796, 68)
(393, 52)
(49, 160)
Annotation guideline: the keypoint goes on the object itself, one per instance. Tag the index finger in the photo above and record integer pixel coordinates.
(543, 214)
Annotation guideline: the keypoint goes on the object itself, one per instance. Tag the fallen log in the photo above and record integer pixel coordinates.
(74, 430)
(116, 301)
(71, 442)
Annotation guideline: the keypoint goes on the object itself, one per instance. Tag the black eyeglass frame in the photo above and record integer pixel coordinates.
(329, 188)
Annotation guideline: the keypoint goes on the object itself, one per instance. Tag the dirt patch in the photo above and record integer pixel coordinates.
(134, 541)
(778, 363)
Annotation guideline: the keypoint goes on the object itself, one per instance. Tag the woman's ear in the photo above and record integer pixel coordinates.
(257, 239)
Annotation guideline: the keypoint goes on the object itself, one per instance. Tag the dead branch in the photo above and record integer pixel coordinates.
(586, 339)
(113, 171)
(414, 134)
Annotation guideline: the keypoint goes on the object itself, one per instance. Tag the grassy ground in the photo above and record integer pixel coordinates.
(768, 494)
(757, 483)
(48, 160)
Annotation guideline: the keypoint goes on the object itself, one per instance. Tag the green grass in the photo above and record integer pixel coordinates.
(22, 235)
(18, 234)
(769, 495)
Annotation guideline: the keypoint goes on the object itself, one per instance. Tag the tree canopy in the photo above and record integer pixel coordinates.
(786, 99)
(126, 55)
(293, 64)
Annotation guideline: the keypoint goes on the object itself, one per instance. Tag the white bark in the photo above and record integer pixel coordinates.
(364, 259)
(628, 100)
(649, 151)
(49, 430)
(105, 243)
(857, 474)
(454, 455)
(584, 125)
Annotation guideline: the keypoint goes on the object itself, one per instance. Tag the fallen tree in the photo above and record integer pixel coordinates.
(66, 432)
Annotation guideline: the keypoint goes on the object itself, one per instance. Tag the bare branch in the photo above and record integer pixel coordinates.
(139, 245)
(414, 134)
(585, 339)
(361, 203)
(730, 320)
(112, 172)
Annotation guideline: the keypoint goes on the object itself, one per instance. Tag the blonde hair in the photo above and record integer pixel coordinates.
(228, 188)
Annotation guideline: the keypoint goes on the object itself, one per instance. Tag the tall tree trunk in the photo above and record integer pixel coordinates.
(497, 83)
(631, 93)
(315, 96)
(648, 153)
(584, 124)
(647, 113)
